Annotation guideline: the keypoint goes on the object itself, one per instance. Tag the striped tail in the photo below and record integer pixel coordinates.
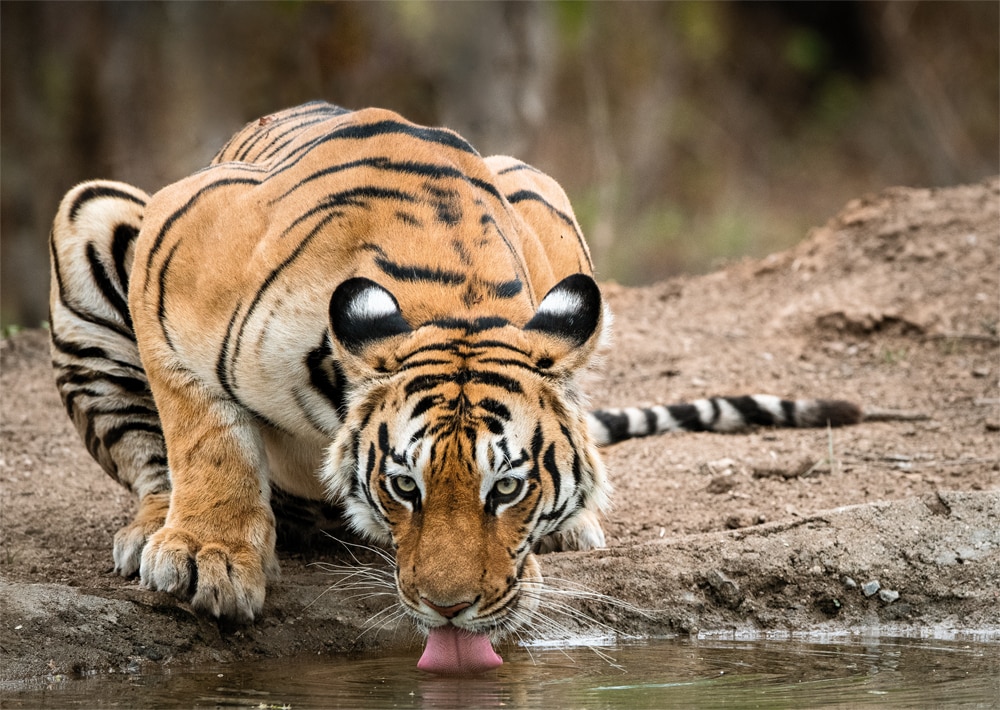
(719, 414)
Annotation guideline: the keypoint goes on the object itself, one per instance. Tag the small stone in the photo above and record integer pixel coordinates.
(981, 372)
(721, 484)
(946, 559)
(726, 589)
(869, 588)
(850, 583)
(888, 595)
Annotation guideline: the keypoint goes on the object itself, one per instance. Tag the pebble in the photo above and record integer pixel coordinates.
(888, 595)
(850, 583)
(869, 588)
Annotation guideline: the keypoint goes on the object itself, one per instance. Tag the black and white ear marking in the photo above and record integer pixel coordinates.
(571, 310)
(362, 312)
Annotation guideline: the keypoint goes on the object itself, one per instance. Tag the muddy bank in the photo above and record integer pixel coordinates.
(894, 303)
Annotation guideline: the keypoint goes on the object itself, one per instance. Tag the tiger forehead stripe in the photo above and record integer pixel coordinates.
(423, 383)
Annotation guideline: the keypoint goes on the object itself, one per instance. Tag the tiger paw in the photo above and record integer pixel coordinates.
(222, 580)
(131, 539)
(584, 533)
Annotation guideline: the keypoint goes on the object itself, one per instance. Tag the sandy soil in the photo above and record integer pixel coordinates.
(894, 303)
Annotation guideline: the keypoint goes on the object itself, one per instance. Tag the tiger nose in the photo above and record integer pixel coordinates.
(448, 612)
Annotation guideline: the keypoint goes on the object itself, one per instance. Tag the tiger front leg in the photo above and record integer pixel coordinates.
(217, 544)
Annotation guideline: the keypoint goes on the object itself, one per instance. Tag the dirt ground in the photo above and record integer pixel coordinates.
(888, 527)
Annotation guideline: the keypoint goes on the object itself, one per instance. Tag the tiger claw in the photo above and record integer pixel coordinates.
(131, 539)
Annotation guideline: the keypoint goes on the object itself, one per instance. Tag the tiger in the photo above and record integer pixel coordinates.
(346, 308)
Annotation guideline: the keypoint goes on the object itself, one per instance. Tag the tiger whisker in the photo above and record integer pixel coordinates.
(351, 546)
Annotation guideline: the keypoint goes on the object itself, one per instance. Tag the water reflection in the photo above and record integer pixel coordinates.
(653, 674)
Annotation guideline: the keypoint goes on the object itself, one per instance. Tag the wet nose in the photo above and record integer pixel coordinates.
(448, 612)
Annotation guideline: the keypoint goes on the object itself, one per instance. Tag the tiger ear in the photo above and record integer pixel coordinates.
(363, 314)
(570, 316)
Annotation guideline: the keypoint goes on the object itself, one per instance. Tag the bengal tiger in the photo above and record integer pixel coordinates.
(345, 306)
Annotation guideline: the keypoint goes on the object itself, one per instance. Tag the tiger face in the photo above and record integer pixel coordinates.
(465, 445)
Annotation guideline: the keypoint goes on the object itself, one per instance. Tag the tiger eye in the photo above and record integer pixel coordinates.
(404, 485)
(507, 486)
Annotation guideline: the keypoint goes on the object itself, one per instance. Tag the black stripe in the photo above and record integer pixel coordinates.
(518, 166)
(371, 130)
(102, 280)
(497, 409)
(528, 195)
(423, 405)
(495, 379)
(482, 345)
(91, 351)
(462, 377)
(505, 289)
(788, 408)
(409, 219)
(406, 167)
(362, 131)
(85, 316)
(553, 470)
(557, 514)
(469, 327)
(424, 383)
(82, 376)
(274, 143)
(319, 378)
(364, 485)
(508, 362)
(411, 273)
(113, 435)
(355, 197)
(161, 299)
(284, 118)
(616, 424)
(494, 425)
(751, 411)
(687, 417)
(221, 364)
(124, 235)
(97, 191)
(129, 410)
(427, 362)
(650, 420)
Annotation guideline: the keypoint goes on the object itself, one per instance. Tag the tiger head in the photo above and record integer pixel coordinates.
(464, 444)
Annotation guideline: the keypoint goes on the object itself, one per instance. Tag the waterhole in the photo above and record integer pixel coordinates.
(689, 673)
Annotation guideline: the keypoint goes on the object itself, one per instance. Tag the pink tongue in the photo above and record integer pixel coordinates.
(452, 650)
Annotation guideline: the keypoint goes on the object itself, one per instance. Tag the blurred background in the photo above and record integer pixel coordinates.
(685, 133)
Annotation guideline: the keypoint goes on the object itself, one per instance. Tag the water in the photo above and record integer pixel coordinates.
(900, 673)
